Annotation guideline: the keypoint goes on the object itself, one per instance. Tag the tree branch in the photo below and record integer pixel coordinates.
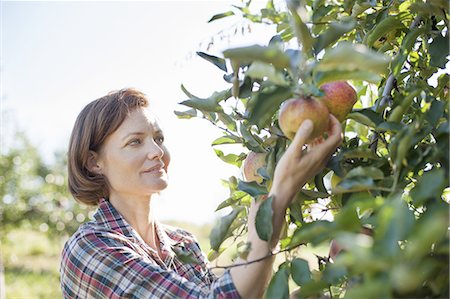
(257, 260)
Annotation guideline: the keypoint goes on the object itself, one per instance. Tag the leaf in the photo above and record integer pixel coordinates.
(301, 30)
(352, 57)
(334, 33)
(394, 222)
(219, 62)
(390, 23)
(429, 186)
(358, 183)
(348, 219)
(187, 257)
(435, 112)
(220, 16)
(261, 70)
(186, 92)
(311, 194)
(252, 188)
(228, 139)
(221, 230)
(408, 41)
(263, 219)
(439, 50)
(250, 139)
(389, 126)
(368, 171)
(321, 78)
(249, 54)
(279, 285)
(230, 158)
(366, 117)
(312, 232)
(300, 271)
(186, 114)
(264, 104)
(210, 104)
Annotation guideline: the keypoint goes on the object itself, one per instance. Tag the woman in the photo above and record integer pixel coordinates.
(117, 160)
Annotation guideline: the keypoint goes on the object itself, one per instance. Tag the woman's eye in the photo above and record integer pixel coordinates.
(159, 139)
(134, 142)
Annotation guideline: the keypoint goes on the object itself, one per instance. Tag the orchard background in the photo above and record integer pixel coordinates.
(384, 194)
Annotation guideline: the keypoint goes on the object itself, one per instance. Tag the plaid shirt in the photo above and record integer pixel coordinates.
(106, 258)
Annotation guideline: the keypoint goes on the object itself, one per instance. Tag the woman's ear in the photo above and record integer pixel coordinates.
(93, 164)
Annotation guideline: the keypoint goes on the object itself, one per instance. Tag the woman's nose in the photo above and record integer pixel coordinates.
(154, 151)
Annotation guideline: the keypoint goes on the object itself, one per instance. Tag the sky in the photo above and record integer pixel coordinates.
(58, 56)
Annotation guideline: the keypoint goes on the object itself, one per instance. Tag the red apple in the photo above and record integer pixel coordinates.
(294, 111)
(251, 164)
(339, 98)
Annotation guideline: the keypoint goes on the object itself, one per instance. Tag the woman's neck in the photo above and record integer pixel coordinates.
(138, 213)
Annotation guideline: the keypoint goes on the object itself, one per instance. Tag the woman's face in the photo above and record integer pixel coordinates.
(134, 158)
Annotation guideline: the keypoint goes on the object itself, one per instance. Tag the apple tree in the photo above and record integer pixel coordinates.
(382, 200)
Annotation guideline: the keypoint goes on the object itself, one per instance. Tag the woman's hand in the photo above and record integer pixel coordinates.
(297, 165)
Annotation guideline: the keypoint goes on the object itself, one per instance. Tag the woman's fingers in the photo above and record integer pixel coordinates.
(302, 135)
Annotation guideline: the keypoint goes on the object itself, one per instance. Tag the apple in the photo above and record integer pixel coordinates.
(294, 111)
(251, 164)
(339, 98)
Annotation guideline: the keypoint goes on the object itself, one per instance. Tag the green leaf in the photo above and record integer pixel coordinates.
(249, 54)
(265, 103)
(261, 70)
(221, 230)
(439, 50)
(354, 184)
(300, 271)
(431, 229)
(228, 139)
(312, 194)
(252, 188)
(279, 285)
(394, 223)
(348, 219)
(435, 112)
(334, 33)
(228, 121)
(250, 139)
(187, 257)
(313, 232)
(429, 186)
(408, 41)
(210, 104)
(368, 171)
(389, 126)
(353, 57)
(301, 30)
(230, 158)
(366, 117)
(388, 24)
(221, 16)
(263, 219)
(186, 114)
(321, 78)
(217, 61)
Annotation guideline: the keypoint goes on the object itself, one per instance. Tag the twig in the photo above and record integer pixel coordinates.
(257, 260)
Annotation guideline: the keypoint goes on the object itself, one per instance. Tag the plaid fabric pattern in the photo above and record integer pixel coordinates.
(106, 258)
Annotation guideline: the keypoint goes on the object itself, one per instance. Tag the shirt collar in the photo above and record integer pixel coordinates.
(107, 216)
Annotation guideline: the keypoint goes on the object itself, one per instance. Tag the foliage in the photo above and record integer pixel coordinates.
(34, 194)
(389, 209)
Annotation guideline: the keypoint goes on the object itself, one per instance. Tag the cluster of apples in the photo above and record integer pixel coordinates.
(338, 100)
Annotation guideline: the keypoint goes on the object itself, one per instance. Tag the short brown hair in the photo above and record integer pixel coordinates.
(94, 124)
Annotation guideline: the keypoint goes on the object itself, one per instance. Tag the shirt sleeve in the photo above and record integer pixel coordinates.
(95, 265)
